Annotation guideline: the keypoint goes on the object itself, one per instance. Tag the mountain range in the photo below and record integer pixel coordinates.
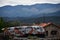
(37, 10)
(31, 13)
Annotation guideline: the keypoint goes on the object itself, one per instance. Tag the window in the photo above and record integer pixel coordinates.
(54, 32)
(28, 29)
(46, 33)
(37, 28)
(40, 29)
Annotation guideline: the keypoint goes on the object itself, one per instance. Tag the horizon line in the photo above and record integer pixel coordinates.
(26, 4)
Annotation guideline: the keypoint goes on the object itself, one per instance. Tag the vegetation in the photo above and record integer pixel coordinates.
(13, 23)
(2, 23)
(10, 22)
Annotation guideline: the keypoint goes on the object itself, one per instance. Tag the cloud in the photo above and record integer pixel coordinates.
(25, 2)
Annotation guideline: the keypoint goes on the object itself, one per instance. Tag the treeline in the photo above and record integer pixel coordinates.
(4, 24)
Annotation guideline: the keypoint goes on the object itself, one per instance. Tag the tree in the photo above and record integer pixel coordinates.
(2, 23)
(13, 23)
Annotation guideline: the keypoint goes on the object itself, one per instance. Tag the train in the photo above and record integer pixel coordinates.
(25, 31)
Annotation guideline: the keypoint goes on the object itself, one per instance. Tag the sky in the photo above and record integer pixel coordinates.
(25, 2)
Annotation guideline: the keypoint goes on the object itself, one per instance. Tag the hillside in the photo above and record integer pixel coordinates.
(30, 11)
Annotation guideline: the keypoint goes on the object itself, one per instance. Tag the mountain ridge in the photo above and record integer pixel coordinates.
(29, 10)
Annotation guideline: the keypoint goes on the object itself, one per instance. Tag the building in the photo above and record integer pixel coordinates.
(52, 31)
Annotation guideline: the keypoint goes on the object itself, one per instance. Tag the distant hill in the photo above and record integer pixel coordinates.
(54, 19)
(31, 13)
(36, 10)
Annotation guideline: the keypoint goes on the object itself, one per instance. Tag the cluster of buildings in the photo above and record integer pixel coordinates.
(46, 31)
